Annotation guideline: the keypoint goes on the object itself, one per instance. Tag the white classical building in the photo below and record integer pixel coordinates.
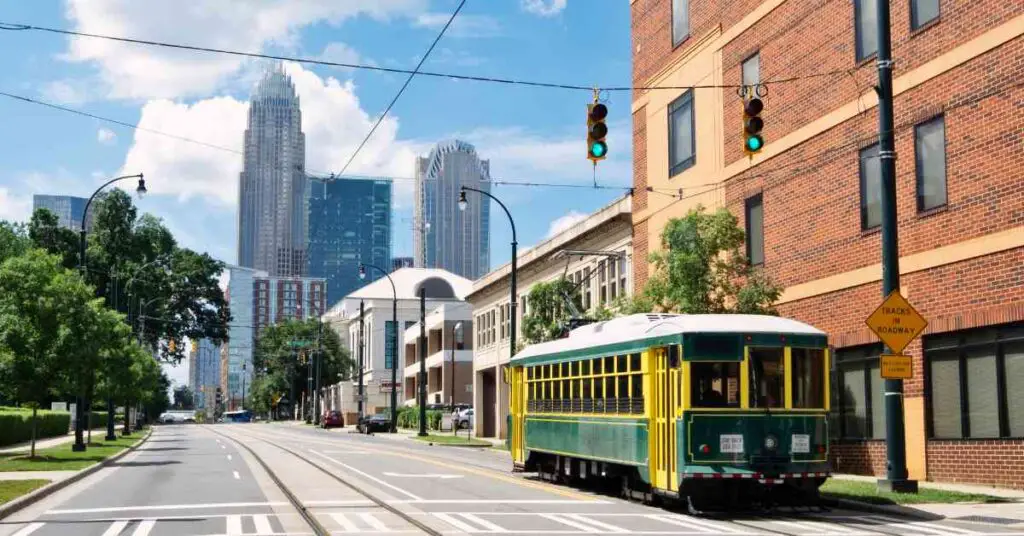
(601, 265)
(441, 288)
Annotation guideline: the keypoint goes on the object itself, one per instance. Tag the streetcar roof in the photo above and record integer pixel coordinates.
(629, 333)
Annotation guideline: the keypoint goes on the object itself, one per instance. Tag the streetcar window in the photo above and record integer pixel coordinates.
(620, 364)
(609, 365)
(767, 378)
(715, 385)
(634, 363)
(565, 370)
(808, 377)
(596, 365)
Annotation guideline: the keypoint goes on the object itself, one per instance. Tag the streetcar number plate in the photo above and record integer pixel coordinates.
(801, 444)
(730, 443)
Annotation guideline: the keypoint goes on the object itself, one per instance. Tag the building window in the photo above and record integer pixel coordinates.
(680, 21)
(930, 163)
(751, 70)
(602, 282)
(858, 393)
(865, 13)
(755, 230)
(969, 377)
(501, 311)
(922, 12)
(870, 188)
(622, 274)
(612, 280)
(586, 289)
(681, 143)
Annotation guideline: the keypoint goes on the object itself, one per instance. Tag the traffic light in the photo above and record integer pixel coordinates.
(597, 149)
(172, 346)
(752, 126)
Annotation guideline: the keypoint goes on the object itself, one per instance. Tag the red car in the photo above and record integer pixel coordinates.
(332, 419)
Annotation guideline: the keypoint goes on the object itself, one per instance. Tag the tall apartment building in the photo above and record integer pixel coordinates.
(446, 237)
(279, 299)
(272, 194)
(67, 208)
(349, 224)
(204, 369)
(810, 201)
(236, 368)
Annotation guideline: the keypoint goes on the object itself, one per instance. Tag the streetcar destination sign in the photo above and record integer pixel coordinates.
(896, 322)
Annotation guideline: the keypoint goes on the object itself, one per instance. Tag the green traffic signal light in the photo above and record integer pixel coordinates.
(754, 143)
(598, 149)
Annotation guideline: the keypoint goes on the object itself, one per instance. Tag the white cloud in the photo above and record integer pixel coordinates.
(544, 8)
(106, 136)
(341, 53)
(14, 206)
(134, 71)
(332, 119)
(461, 58)
(462, 26)
(564, 223)
(68, 91)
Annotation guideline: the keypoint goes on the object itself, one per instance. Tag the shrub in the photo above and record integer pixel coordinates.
(16, 426)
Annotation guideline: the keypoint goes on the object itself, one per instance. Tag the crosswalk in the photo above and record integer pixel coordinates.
(525, 523)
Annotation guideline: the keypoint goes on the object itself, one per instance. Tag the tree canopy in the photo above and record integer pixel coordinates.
(548, 314)
(701, 268)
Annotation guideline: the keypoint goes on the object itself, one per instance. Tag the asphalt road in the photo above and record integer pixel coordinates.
(198, 480)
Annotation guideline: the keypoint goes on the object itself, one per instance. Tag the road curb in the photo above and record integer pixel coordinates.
(880, 508)
(31, 498)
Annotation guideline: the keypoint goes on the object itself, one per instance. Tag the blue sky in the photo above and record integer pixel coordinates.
(528, 134)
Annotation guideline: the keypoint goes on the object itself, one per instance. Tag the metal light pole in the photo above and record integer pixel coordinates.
(896, 477)
(421, 385)
(394, 342)
(79, 445)
(463, 203)
(456, 327)
(362, 313)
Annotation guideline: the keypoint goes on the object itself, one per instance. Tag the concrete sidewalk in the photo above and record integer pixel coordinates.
(49, 442)
(52, 476)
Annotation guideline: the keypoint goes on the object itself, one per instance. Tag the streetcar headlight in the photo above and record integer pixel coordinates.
(704, 449)
(770, 442)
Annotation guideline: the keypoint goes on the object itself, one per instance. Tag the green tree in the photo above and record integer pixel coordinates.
(281, 368)
(14, 240)
(183, 397)
(701, 268)
(45, 232)
(31, 334)
(549, 314)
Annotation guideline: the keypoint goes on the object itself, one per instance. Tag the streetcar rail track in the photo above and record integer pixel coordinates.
(303, 510)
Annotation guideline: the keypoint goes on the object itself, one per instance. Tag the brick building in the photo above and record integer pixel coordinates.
(810, 201)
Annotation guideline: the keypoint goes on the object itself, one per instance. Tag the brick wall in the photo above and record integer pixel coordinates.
(860, 457)
(640, 159)
(995, 462)
(640, 264)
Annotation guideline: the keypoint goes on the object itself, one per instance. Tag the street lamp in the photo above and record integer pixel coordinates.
(456, 327)
(394, 342)
(463, 203)
(79, 445)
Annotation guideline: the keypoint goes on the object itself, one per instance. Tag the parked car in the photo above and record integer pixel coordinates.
(380, 422)
(464, 418)
(332, 419)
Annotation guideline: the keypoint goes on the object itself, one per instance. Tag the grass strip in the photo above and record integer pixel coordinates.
(12, 489)
(453, 440)
(62, 458)
(867, 492)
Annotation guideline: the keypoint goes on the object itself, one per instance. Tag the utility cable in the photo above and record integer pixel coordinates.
(405, 85)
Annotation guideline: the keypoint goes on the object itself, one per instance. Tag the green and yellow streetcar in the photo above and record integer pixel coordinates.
(711, 409)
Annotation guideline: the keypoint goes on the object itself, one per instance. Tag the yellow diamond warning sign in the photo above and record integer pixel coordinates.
(896, 322)
(897, 367)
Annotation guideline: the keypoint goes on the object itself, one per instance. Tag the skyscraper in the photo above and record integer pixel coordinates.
(349, 223)
(446, 237)
(204, 367)
(398, 263)
(68, 209)
(272, 194)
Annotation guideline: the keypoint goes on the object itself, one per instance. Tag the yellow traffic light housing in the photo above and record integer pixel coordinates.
(597, 149)
(753, 142)
(172, 346)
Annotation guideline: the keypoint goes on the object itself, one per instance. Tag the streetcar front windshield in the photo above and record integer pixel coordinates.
(767, 378)
(715, 384)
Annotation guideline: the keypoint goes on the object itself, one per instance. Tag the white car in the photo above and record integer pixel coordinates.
(464, 418)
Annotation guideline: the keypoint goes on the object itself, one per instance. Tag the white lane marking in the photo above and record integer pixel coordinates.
(236, 475)
(144, 528)
(602, 527)
(682, 523)
(491, 527)
(115, 528)
(346, 524)
(686, 521)
(373, 478)
(927, 528)
(565, 520)
(811, 528)
(29, 529)
(456, 501)
(424, 475)
(262, 522)
(234, 525)
(449, 519)
(372, 521)
(163, 507)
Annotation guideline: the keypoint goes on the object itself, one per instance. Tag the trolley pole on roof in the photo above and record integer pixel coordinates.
(896, 477)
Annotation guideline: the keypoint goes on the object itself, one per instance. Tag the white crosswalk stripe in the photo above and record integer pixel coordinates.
(262, 522)
(346, 524)
(234, 525)
(700, 526)
(491, 527)
(572, 522)
(350, 522)
(28, 529)
(923, 527)
(115, 528)
(144, 527)
(372, 521)
(808, 528)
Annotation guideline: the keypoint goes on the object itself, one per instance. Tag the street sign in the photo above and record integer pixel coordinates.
(386, 386)
(897, 367)
(896, 322)
(299, 344)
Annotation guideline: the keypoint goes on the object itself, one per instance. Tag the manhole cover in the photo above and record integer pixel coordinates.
(987, 519)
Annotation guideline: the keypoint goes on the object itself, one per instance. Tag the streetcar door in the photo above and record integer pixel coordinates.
(664, 402)
(518, 411)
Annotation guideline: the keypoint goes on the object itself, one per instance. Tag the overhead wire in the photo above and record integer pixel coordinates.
(401, 90)
(9, 26)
